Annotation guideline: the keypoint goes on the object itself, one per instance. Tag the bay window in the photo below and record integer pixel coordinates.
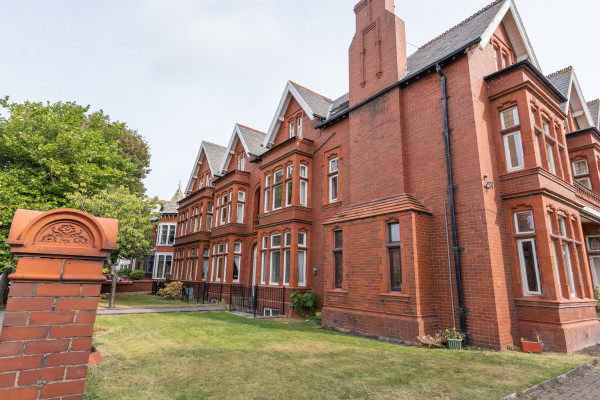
(524, 222)
(209, 217)
(550, 153)
(237, 261)
(241, 206)
(509, 118)
(275, 259)
(263, 268)
(277, 189)
(530, 273)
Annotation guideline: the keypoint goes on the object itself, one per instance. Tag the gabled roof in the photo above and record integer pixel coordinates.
(593, 107)
(478, 29)
(313, 104)
(567, 83)
(213, 154)
(171, 206)
(251, 140)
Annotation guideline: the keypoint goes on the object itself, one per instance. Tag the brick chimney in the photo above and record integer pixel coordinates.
(378, 50)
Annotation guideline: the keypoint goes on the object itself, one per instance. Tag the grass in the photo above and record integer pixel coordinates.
(216, 355)
(138, 300)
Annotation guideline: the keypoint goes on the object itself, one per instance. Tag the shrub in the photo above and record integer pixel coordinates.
(452, 334)
(106, 271)
(436, 340)
(124, 272)
(305, 304)
(137, 274)
(171, 291)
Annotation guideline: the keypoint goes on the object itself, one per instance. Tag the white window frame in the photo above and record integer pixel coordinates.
(334, 167)
(517, 222)
(556, 268)
(272, 237)
(170, 226)
(271, 269)
(302, 271)
(299, 126)
(303, 192)
(585, 182)
(303, 243)
(526, 290)
(287, 239)
(331, 198)
(292, 129)
(569, 268)
(242, 161)
(237, 258)
(240, 212)
(587, 242)
(515, 113)
(519, 148)
(263, 266)
(157, 260)
(587, 169)
(265, 242)
(550, 154)
(303, 171)
(287, 258)
(562, 227)
(595, 276)
(289, 171)
(289, 185)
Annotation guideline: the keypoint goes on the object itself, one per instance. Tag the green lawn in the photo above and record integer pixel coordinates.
(139, 300)
(216, 355)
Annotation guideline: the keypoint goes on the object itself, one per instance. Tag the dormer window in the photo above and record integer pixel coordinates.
(509, 118)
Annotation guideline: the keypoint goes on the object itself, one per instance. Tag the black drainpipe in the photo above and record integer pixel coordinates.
(456, 249)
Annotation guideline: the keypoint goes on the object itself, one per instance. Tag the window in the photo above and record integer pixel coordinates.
(264, 242)
(530, 273)
(338, 259)
(550, 153)
(275, 266)
(580, 167)
(303, 192)
(240, 206)
(276, 240)
(287, 239)
(237, 261)
(166, 234)
(593, 243)
(224, 209)
(509, 118)
(289, 171)
(292, 132)
(556, 268)
(595, 265)
(513, 150)
(301, 239)
(585, 182)
(545, 127)
(242, 161)
(333, 165)
(267, 192)
(524, 222)
(394, 256)
(286, 266)
(550, 227)
(288, 193)
(278, 189)
(301, 267)
(263, 268)
(567, 257)
(205, 260)
(562, 228)
(209, 217)
(497, 58)
(303, 171)
(162, 265)
(299, 121)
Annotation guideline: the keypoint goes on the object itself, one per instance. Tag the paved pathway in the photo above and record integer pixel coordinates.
(121, 311)
(583, 385)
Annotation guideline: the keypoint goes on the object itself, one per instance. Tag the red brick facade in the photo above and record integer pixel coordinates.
(375, 160)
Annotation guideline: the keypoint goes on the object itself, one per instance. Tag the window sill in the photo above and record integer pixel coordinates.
(395, 295)
(337, 291)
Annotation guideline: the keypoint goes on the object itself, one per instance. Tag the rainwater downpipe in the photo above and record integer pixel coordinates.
(456, 249)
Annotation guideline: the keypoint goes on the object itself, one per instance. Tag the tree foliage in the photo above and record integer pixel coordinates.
(51, 151)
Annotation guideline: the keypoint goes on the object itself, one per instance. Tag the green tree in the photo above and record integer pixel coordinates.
(134, 213)
(50, 150)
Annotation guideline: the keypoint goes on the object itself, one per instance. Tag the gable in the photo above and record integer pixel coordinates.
(209, 155)
(291, 114)
(233, 157)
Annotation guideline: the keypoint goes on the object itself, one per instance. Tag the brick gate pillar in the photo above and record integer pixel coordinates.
(48, 325)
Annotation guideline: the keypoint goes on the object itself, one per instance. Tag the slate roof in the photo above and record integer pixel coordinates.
(317, 103)
(594, 106)
(253, 139)
(171, 206)
(561, 80)
(214, 153)
(388, 205)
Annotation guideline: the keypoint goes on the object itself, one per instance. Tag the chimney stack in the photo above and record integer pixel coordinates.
(378, 50)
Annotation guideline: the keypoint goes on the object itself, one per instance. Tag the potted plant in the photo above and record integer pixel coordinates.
(318, 320)
(529, 346)
(454, 339)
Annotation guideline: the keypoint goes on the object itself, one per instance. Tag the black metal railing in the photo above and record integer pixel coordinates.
(157, 285)
(257, 300)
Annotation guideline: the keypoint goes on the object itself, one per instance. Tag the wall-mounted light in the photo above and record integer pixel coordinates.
(314, 271)
(487, 185)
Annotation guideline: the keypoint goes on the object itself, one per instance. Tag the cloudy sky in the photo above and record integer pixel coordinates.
(180, 71)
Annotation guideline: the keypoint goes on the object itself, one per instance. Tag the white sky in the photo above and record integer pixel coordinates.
(180, 71)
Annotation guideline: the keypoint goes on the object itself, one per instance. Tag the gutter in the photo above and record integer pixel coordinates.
(456, 249)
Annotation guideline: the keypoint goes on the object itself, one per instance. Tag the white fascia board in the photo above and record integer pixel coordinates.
(230, 148)
(288, 92)
(509, 5)
(579, 92)
(195, 169)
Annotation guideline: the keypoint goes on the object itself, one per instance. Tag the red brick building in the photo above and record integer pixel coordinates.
(442, 184)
